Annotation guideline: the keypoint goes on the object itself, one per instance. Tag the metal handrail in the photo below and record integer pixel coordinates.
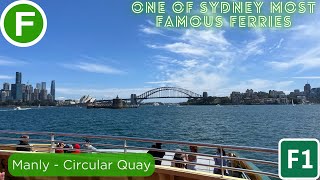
(125, 147)
(122, 138)
(224, 167)
(207, 155)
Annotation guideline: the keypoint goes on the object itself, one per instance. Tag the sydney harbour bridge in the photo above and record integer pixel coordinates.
(164, 92)
(157, 93)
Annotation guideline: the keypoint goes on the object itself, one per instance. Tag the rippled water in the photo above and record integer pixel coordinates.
(259, 126)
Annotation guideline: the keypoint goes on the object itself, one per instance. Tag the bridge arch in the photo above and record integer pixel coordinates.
(167, 92)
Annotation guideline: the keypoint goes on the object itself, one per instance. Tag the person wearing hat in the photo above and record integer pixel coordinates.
(76, 148)
(157, 154)
(24, 143)
(179, 156)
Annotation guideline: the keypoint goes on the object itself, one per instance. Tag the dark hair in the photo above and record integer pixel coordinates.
(24, 139)
(223, 152)
(25, 136)
(158, 145)
(195, 148)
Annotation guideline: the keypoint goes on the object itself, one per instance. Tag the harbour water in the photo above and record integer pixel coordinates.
(260, 126)
(255, 126)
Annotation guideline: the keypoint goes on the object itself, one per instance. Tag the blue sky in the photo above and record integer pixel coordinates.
(102, 49)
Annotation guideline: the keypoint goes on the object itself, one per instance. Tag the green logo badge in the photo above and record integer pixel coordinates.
(299, 159)
(23, 23)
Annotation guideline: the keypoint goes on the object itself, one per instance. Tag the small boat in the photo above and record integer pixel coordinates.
(39, 106)
(17, 108)
(292, 103)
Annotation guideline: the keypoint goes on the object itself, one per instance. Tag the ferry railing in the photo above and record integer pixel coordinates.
(54, 140)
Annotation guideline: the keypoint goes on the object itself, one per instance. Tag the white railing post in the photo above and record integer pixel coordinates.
(52, 150)
(125, 146)
(221, 159)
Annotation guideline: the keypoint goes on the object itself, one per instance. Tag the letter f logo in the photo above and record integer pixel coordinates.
(23, 23)
(20, 23)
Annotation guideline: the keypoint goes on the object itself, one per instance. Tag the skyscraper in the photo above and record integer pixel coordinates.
(43, 86)
(38, 86)
(6, 86)
(36, 94)
(18, 77)
(53, 90)
(307, 90)
(16, 89)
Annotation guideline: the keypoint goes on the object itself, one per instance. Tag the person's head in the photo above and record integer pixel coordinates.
(87, 141)
(219, 151)
(24, 139)
(178, 153)
(76, 146)
(61, 145)
(193, 149)
(158, 145)
(69, 147)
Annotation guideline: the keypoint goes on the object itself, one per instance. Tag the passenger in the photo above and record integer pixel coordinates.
(235, 164)
(2, 175)
(157, 154)
(179, 156)
(24, 142)
(68, 148)
(218, 162)
(88, 146)
(76, 148)
(60, 147)
(192, 158)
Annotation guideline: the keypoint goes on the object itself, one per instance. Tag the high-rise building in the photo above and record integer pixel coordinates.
(38, 86)
(50, 98)
(43, 95)
(307, 90)
(43, 86)
(36, 94)
(3, 96)
(53, 90)
(18, 77)
(6, 86)
(235, 97)
(205, 95)
(27, 93)
(16, 89)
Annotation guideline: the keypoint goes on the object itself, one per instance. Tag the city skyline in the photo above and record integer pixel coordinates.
(20, 92)
(41, 90)
(105, 58)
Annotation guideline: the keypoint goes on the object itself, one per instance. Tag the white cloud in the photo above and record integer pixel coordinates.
(161, 82)
(108, 93)
(150, 30)
(182, 48)
(209, 37)
(6, 77)
(6, 61)
(254, 47)
(307, 77)
(93, 65)
(97, 68)
(207, 56)
(280, 43)
(308, 60)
